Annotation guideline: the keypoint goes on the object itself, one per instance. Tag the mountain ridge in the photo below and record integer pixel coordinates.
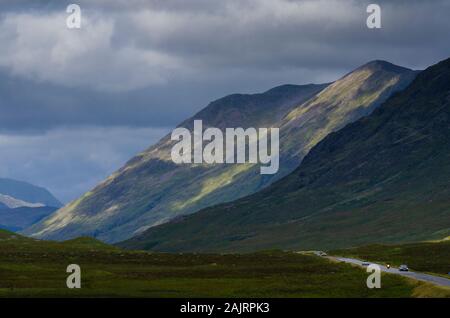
(28, 192)
(383, 178)
(23, 204)
(11, 202)
(150, 189)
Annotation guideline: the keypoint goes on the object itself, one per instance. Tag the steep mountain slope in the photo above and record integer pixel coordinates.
(28, 193)
(151, 189)
(384, 178)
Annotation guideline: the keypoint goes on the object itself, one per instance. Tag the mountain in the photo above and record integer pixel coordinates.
(384, 178)
(23, 204)
(17, 219)
(12, 203)
(150, 189)
(27, 193)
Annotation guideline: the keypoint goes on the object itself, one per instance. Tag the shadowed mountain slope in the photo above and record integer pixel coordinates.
(384, 178)
(150, 189)
(20, 218)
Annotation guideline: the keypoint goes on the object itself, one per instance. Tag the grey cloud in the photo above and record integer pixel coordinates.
(139, 66)
(126, 45)
(71, 161)
(27, 106)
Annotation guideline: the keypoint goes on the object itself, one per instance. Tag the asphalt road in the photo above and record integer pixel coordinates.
(437, 280)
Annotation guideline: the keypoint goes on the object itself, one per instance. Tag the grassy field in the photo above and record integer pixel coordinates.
(30, 268)
(432, 257)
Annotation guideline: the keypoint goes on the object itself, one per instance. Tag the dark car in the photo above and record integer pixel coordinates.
(403, 268)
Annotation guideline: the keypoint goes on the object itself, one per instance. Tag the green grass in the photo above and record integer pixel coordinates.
(432, 257)
(30, 268)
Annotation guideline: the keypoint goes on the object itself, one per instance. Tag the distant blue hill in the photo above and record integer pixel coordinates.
(27, 192)
(20, 218)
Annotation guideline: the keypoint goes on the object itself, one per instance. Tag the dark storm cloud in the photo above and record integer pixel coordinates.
(28, 107)
(146, 63)
(76, 104)
(70, 161)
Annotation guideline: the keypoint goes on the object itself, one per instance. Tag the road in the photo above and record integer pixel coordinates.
(437, 280)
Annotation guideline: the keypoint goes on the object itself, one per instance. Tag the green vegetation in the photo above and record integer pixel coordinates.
(151, 190)
(383, 179)
(433, 257)
(30, 268)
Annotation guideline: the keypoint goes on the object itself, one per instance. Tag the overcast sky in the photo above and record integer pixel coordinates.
(76, 104)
